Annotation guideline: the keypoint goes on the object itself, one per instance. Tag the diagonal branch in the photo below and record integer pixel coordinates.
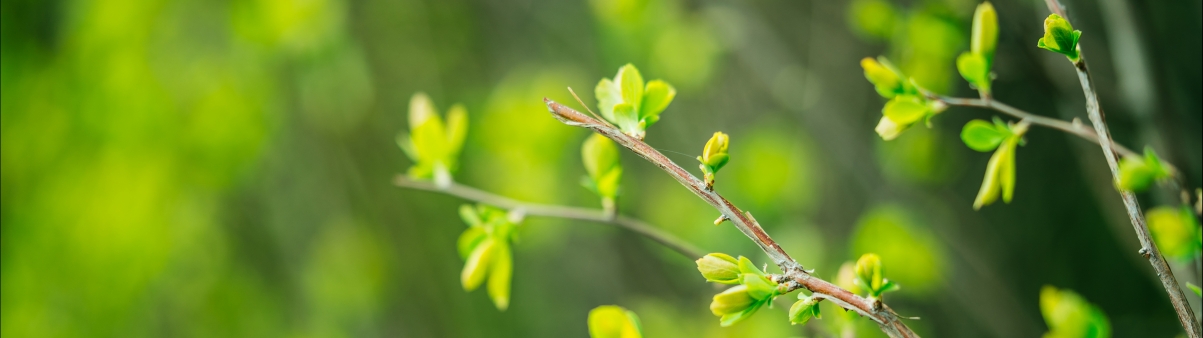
(797, 277)
(1148, 248)
(585, 214)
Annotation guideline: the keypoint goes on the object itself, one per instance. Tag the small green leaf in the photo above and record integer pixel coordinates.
(985, 32)
(905, 109)
(469, 240)
(732, 319)
(975, 70)
(803, 310)
(500, 276)
(1195, 288)
(887, 82)
(599, 154)
(1060, 37)
(608, 184)
(732, 300)
(1175, 232)
(759, 286)
(1069, 315)
(746, 266)
(478, 264)
(610, 321)
(656, 98)
(1006, 170)
(1135, 174)
(469, 215)
(982, 136)
(991, 187)
(632, 86)
(869, 273)
(457, 130)
(627, 119)
(608, 94)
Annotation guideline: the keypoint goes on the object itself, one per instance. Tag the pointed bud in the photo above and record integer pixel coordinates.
(888, 130)
(714, 157)
(733, 300)
(887, 82)
(719, 268)
(478, 264)
(868, 272)
(1060, 37)
(985, 31)
(612, 321)
(804, 309)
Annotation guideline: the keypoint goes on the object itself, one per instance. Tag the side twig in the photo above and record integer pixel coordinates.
(534, 209)
(792, 271)
(1149, 250)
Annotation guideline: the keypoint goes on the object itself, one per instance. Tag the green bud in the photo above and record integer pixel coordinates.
(611, 321)
(500, 275)
(901, 113)
(1060, 37)
(1069, 315)
(1175, 232)
(804, 309)
(746, 266)
(478, 264)
(1138, 173)
(976, 70)
(714, 157)
(985, 32)
(868, 272)
(734, 300)
(885, 79)
(600, 156)
(760, 287)
(719, 268)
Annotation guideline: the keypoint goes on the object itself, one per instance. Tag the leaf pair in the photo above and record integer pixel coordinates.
(601, 159)
(485, 248)
(629, 103)
(612, 321)
(1000, 170)
(975, 64)
(737, 303)
(433, 145)
(1138, 173)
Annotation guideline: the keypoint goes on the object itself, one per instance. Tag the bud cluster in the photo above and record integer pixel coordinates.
(433, 145)
(753, 289)
(485, 248)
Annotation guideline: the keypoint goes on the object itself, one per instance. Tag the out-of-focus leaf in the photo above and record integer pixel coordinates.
(1175, 232)
(1069, 315)
(982, 136)
(500, 276)
(611, 321)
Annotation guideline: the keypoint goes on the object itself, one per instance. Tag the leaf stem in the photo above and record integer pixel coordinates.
(557, 211)
(889, 321)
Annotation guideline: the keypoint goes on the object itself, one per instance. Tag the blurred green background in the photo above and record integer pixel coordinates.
(222, 168)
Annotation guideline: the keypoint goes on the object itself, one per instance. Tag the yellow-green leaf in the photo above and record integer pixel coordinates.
(477, 265)
(611, 321)
(982, 136)
(985, 31)
(631, 82)
(500, 276)
(656, 98)
(1006, 169)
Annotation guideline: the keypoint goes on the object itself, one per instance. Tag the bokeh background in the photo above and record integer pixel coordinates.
(216, 168)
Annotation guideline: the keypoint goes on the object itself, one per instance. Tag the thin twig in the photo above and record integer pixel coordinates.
(1148, 248)
(889, 321)
(558, 211)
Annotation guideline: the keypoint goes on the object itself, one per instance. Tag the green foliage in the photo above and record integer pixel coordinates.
(631, 104)
(601, 159)
(1060, 37)
(1000, 170)
(1070, 316)
(1138, 173)
(907, 246)
(1176, 232)
(485, 248)
(739, 302)
(612, 321)
(804, 309)
(433, 145)
(975, 64)
(902, 112)
(714, 156)
(887, 79)
(869, 276)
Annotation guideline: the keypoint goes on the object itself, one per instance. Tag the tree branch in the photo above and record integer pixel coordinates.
(889, 321)
(1148, 248)
(585, 214)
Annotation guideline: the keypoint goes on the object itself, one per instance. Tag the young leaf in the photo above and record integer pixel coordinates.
(1195, 288)
(500, 276)
(469, 240)
(631, 82)
(610, 321)
(905, 109)
(1006, 170)
(656, 98)
(457, 130)
(719, 268)
(732, 300)
(1060, 37)
(478, 264)
(982, 136)
(759, 286)
(991, 187)
(985, 32)
(608, 94)
(975, 70)
(1069, 315)
(1175, 232)
(887, 82)
(731, 319)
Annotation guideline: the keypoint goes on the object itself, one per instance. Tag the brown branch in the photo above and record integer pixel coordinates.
(534, 209)
(1149, 249)
(889, 321)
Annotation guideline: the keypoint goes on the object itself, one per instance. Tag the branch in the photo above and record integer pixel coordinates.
(1149, 249)
(585, 214)
(792, 271)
